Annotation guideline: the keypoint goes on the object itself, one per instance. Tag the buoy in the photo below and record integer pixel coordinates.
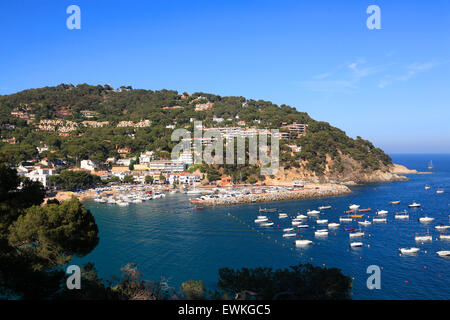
(406, 281)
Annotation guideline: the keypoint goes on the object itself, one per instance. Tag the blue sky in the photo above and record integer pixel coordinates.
(391, 86)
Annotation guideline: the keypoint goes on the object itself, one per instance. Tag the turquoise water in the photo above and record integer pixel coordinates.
(167, 238)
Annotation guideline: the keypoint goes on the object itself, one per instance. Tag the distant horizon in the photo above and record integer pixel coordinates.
(387, 85)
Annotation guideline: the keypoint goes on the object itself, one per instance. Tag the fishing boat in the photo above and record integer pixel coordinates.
(357, 216)
(394, 202)
(442, 227)
(427, 187)
(267, 224)
(379, 220)
(345, 219)
(423, 237)
(348, 211)
(430, 165)
(365, 223)
(356, 234)
(288, 229)
(303, 242)
(444, 237)
(356, 244)
(444, 253)
(322, 221)
(282, 215)
(365, 210)
(426, 219)
(312, 212)
(409, 250)
(324, 207)
(382, 212)
(439, 191)
(267, 210)
(402, 216)
(321, 233)
(414, 205)
(354, 207)
(333, 225)
(287, 235)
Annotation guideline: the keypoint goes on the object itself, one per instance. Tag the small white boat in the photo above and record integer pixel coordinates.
(324, 207)
(365, 223)
(424, 238)
(321, 233)
(414, 205)
(262, 217)
(442, 227)
(282, 215)
(287, 235)
(401, 216)
(333, 225)
(379, 220)
(267, 224)
(444, 236)
(288, 229)
(313, 213)
(303, 226)
(444, 253)
(395, 202)
(296, 223)
(409, 250)
(303, 242)
(427, 187)
(322, 221)
(356, 244)
(354, 207)
(382, 212)
(261, 220)
(426, 219)
(345, 219)
(301, 216)
(356, 234)
(440, 191)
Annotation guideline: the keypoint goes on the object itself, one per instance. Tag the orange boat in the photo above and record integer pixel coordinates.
(365, 210)
(349, 211)
(357, 216)
(199, 207)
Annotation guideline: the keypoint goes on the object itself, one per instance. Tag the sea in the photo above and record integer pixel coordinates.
(169, 240)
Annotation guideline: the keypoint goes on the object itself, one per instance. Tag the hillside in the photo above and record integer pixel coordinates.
(94, 122)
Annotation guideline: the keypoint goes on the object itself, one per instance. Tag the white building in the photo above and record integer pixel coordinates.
(146, 157)
(88, 165)
(167, 166)
(124, 162)
(183, 178)
(41, 174)
(187, 158)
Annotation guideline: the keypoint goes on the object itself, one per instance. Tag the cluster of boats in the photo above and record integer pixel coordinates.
(124, 199)
(354, 212)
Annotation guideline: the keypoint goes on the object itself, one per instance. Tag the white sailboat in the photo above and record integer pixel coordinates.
(444, 253)
(430, 165)
(303, 242)
(426, 219)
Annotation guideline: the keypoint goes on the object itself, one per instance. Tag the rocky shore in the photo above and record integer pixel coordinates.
(308, 192)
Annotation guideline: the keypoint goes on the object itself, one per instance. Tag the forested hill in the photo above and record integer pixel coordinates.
(91, 125)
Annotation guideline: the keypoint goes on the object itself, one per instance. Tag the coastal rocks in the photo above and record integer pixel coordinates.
(308, 192)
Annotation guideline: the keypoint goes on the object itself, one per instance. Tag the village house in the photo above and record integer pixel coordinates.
(167, 166)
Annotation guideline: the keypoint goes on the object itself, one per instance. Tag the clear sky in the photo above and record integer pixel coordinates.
(391, 86)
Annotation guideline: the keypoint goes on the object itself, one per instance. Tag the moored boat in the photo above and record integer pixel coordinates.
(288, 235)
(333, 225)
(442, 227)
(356, 234)
(322, 221)
(394, 202)
(345, 219)
(382, 212)
(379, 220)
(303, 242)
(356, 244)
(312, 212)
(409, 250)
(423, 238)
(365, 223)
(354, 207)
(414, 205)
(324, 207)
(426, 219)
(444, 237)
(444, 253)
